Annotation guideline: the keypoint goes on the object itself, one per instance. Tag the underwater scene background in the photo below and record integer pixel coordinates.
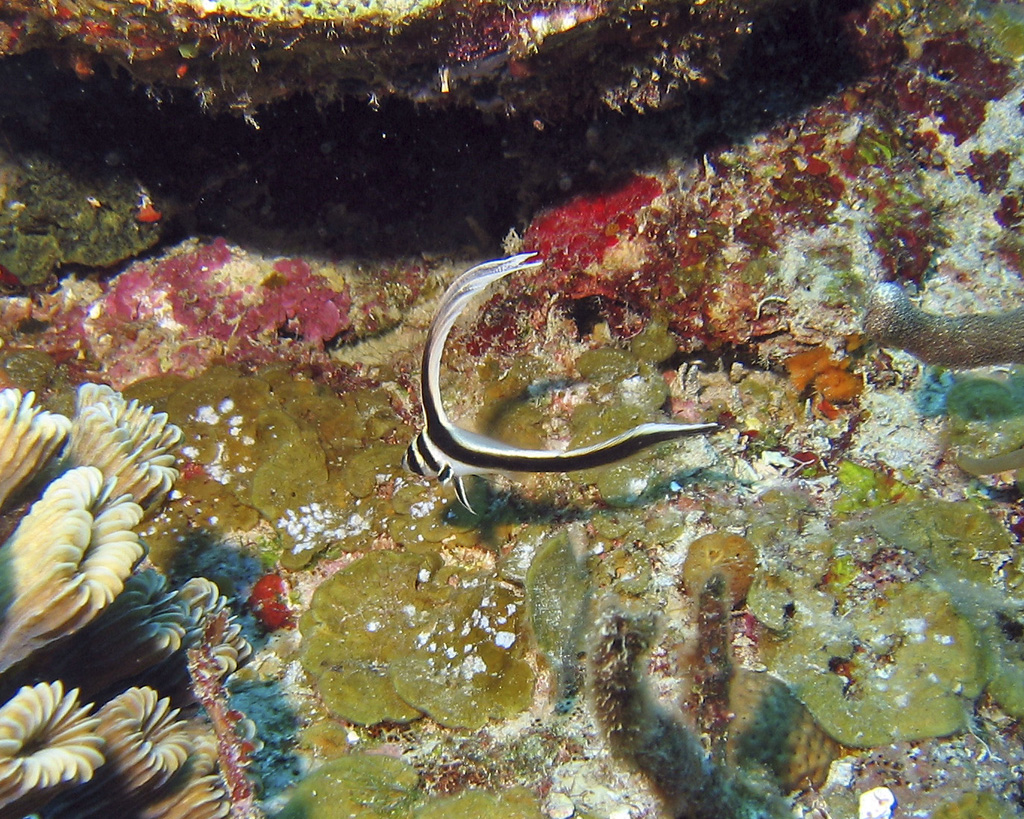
(226, 227)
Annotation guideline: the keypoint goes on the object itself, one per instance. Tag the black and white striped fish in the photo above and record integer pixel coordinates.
(450, 453)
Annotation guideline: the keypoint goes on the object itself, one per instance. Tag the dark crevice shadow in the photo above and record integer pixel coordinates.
(344, 178)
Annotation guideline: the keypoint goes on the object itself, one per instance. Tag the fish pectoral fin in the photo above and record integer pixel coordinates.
(462, 493)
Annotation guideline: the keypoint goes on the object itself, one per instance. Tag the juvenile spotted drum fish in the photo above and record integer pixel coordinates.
(450, 453)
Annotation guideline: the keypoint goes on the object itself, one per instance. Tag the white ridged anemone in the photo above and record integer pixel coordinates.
(201, 798)
(28, 439)
(130, 443)
(150, 768)
(47, 742)
(67, 560)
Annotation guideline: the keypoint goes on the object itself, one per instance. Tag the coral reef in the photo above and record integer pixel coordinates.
(838, 604)
(76, 612)
(29, 439)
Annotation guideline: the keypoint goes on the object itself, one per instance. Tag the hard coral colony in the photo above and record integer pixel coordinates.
(96, 654)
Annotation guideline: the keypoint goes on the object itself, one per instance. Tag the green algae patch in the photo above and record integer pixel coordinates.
(279, 447)
(360, 620)
(293, 468)
(395, 635)
(906, 669)
(30, 370)
(771, 597)
(1005, 27)
(357, 786)
(654, 343)
(466, 665)
(984, 805)
(346, 12)
(53, 215)
(960, 542)
(864, 488)
(606, 365)
(973, 398)
(1001, 635)
(558, 592)
(890, 628)
(975, 559)
(517, 803)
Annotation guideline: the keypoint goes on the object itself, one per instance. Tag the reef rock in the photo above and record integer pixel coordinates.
(523, 55)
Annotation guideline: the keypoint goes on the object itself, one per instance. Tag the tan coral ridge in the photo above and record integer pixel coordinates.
(80, 622)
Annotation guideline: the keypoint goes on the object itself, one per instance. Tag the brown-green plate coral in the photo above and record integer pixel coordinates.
(364, 786)
(356, 786)
(860, 673)
(280, 447)
(395, 635)
(891, 629)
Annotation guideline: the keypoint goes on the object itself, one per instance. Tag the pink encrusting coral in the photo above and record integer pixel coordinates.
(207, 301)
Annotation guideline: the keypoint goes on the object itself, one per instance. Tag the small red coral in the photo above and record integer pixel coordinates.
(268, 602)
(579, 233)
